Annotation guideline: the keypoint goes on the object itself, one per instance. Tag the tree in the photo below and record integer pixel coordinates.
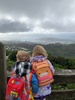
(12, 56)
(9, 65)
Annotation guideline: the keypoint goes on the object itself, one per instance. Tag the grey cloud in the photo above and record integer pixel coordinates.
(32, 8)
(36, 8)
(59, 25)
(54, 10)
(13, 26)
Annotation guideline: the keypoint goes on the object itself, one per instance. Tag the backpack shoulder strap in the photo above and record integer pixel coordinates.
(33, 65)
(30, 76)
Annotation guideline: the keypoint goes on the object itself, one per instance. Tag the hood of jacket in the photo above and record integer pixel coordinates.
(22, 68)
(38, 58)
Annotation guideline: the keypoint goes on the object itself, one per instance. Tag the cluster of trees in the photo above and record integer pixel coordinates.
(59, 62)
(11, 59)
(62, 62)
(57, 49)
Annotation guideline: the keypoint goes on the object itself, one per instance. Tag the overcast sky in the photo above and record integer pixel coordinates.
(36, 16)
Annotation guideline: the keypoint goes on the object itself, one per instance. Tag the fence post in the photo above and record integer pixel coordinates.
(3, 77)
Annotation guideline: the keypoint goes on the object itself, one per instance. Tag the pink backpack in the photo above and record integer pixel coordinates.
(43, 72)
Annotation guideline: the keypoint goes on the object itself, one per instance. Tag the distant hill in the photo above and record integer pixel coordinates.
(49, 40)
(63, 38)
(57, 49)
